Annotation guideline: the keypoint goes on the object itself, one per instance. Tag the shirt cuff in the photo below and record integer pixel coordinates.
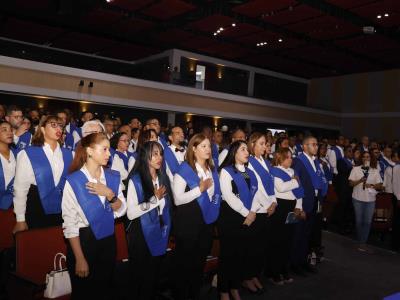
(244, 212)
(20, 217)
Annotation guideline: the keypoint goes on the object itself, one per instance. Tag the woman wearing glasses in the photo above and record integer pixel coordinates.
(40, 177)
(366, 182)
(150, 221)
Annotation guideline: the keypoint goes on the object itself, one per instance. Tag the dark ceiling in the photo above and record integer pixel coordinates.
(308, 38)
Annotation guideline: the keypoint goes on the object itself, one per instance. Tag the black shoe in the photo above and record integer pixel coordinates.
(310, 269)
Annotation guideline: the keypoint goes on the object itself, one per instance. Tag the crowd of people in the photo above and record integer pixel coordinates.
(260, 195)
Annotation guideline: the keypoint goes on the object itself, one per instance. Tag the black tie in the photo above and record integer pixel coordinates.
(179, 150)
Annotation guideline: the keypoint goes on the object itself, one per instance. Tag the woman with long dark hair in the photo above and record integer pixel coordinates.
(149, 212)
(197, 196)
(92, 199)
(40, 177)
(236, 231)
(7, 165)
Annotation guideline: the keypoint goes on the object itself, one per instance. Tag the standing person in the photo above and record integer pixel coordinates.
(364, 146)
(133, 145)
(149, 211)
(366, 182)
(261, 168)
(237, 135)
(217, 145)
(7, 165)
(315, 186)
(385, 160)
(344, 214)
(108, 124)
(121, 160)
(237, 233)
(392, 185)
(22, 137)
(40, 177)
(77, 133)
(91, 200)
(174, 154)
(335, 153)
(289, 194)
(197, 196)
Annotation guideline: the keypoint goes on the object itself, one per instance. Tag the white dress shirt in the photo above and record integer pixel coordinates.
(132, 145)
(233, 200)
(222, 156)
(9, 166)
(179, 186)
(333, 159)
(76, 137)
(25, 177)
(283, 190)
(388, 180)
(367, 194)
(134, 210)
(268, 200)
(396, 181)
(72, 213)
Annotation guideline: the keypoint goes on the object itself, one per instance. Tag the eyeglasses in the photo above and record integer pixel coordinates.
(55, 125)
(313, 144)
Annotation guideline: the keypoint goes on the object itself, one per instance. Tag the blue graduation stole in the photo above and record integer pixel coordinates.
(100, 218)
(318, 178)
(266, 178)
(78, 130)
(246, 194)
(298, 149)
(125, 158)
(155, 234)
(6, 192)
(171, 160)
(50, 195)
(337, 152)
(382, 166)
(69, 138)
(277, 172)
(215, 154)
(24, 141)
(348, 162)
(328, 170)
(209, 207)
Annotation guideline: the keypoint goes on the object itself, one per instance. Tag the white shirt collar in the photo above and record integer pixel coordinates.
(92, 179)
(48, 147)
(240, 167)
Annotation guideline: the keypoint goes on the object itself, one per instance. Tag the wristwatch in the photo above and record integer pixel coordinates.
(114, 199)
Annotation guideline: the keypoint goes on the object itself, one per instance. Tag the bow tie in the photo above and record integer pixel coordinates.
(179, 150)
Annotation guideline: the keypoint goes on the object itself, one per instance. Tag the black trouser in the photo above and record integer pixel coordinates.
(396, 225)
(193, 240)
(236, 243)
(35, 216)
(301, 240)
(100, 256)
(258, 245)
(144, 267)
(279, 239)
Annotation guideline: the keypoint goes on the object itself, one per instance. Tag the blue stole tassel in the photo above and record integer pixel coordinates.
(50, 195)
(155, 234)
(209, 207)
(266, 178)
(246, 194)
(24, 141)
(277, 172)
(318, 178)
(100, 218)
(6, 192)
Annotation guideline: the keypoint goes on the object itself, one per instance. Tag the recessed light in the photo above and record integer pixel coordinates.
(215, 33)
(386, 15)
(233, 24)
(108, 1)
(378, 16)
(258, 45)
(280, 40)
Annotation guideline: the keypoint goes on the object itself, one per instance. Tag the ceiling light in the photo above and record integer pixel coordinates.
(108, 1)
(386, 15)
(258, 45)
(233, 24)
(378, 16)
(215, 33)
(280, 40)
(220, 29)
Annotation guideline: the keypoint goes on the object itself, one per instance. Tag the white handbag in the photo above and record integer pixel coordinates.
(58, 282)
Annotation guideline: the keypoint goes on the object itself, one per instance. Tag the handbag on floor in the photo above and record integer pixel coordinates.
(58, 282)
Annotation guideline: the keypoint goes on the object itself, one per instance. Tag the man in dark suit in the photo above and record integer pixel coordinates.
(315, 187)
(344, 209)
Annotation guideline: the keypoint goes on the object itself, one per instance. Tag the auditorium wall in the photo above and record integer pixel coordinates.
(369, 103)
(22, 76)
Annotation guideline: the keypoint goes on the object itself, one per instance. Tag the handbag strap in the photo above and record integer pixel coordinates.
(62, 256)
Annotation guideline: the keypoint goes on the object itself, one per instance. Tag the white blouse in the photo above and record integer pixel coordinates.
(25, 177)
(283, 190)
(367, 194)
(72, 213)
(118, 165)
(179, 186)
(233, 200)
(134, 209)
(9, 166)
(268, 199)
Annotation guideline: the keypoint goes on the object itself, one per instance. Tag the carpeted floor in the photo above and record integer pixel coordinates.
(346, 274)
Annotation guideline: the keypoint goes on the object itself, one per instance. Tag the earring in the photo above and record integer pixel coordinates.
(90, 156)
